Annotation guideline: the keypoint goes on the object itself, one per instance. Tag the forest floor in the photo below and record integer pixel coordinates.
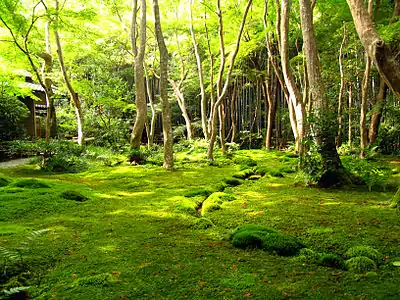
(140, 234)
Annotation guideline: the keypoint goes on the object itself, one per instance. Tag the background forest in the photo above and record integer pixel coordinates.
(253, 105)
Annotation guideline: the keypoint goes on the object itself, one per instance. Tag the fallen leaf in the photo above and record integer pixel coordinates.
(247, 294)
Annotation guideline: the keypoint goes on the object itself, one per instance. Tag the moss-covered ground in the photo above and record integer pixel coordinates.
(135, 235)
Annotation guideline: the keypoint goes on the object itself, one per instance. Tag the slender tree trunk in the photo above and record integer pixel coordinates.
(203, 102)
(222, 115)
(182, 105)
(211, 56)
(341, 92)
(388, 67)
(150, 132)
(350, 136)
(222, 91)
(141, 105)
(332, 166)
(73, 94)
(233, 112)
(294, 92)
(166, 106)
(377, 111)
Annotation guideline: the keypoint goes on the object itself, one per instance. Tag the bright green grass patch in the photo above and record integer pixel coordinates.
(30, 183)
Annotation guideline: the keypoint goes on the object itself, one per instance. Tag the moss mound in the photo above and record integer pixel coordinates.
(245, 161)
(186, 207)
(198, 192)
(30, 183)
(73, 195)
(252, 228)
(331, 260)
(366, 251)
(232, 181)
(244, 174)
(361, 264)
(284, 245)
(4, 181)
(203, 223)
(309, 255)
(248, 240)
(214, 201)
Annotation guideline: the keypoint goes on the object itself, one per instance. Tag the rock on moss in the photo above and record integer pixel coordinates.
(73, 195)
(30, 183)
(361, 264)
(366, 251)
(285, 245)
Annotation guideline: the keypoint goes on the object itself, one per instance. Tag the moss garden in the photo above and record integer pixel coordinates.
(242, 227)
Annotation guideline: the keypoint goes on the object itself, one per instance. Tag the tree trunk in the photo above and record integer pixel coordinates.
(376, 48)
(150, 132)
(294, 92)
(222, 116)
(222, 92)
(341, 92)
(233, 112)
(332, 166)
(182, 105)
(203, 102)
(350, 137)
(141, 105)
(74, 95)
(166, 106)
(377, 111)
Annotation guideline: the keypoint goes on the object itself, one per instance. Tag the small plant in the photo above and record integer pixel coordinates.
(138, 156)
(361, 264)
(331, 260)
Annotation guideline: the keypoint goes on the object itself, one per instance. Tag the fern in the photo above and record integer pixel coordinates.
(15, 290)
(9, 254)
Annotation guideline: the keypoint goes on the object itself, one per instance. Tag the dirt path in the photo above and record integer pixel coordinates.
(14, 163)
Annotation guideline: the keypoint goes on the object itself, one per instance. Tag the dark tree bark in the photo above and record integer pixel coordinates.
(334, 174)
(166, 106)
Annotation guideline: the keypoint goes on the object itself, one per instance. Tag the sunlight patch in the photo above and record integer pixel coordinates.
(108, 248)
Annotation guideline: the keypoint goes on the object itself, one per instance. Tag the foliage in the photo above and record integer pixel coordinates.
(331, 260)
(388, 139)
(4, 181)
(138, 156)
(311, 163)
(360, 264)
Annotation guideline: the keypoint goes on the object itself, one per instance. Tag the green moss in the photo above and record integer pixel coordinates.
(98, 280)
(4, 181)
(203, 223)
(211, 204)
(366, 251)
(331, 260)
(252, 228)
(287, 169)
(232, 181)
(73, 195)
(245, 161)
(285, 245)
(244, 174)
(371, 274)
(30, 183)
(309, 255)
(185, 207)
(220, 196)
(361, 264)
(248, 239)
(198, 192)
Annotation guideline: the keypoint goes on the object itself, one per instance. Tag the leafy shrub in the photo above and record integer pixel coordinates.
(285, 245)
(370, 173)
(310, 163)
(248, 239)
(73, 195)
(287, 169)
(245, 161)
(138, 156)
(30, 183)
(249, 140)
(331, 260)
(361, 264)
(366, 251)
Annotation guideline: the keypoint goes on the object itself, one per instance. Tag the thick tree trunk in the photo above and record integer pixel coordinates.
(376, 48)
(199, 63)
(222, 91)
(166, 106)
(74, 95)
(141, 105)
(333, 170)
(341, 92)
